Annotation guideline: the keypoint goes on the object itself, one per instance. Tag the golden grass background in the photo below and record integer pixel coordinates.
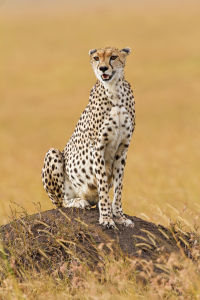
(45, 83)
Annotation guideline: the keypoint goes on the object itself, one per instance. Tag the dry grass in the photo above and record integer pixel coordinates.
(45, 84)
(53, 256)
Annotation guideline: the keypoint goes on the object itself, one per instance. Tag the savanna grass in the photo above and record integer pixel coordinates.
(45, 85)
(44, 88)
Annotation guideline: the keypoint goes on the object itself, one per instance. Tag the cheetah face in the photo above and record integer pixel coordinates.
(108, 63)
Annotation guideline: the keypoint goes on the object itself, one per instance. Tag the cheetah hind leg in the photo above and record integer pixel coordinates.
(59, 189)
(53, 176)
(76, 202)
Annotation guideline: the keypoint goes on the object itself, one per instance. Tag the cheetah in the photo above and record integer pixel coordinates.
(94, 159)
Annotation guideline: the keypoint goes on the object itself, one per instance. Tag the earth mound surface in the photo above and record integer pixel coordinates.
(48, 240)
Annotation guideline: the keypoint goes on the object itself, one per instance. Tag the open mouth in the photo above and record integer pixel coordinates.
(107, 77)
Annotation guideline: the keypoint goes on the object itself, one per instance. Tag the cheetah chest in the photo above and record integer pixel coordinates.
(118, 126)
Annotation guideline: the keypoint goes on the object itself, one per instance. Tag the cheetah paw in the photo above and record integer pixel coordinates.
(109, 223)
(122, 220)
(78, 203)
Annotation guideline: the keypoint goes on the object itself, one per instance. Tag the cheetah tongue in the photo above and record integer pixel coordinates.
(105, 76)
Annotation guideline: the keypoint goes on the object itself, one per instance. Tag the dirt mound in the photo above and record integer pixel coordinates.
(49, 239)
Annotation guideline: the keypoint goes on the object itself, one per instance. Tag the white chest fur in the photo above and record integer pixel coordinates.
(119, 122)
(118, 125)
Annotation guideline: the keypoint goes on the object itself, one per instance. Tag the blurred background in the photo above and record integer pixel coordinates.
(45, 84)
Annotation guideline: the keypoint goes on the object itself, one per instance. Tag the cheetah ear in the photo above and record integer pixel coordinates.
(92, 51)
(126, 51)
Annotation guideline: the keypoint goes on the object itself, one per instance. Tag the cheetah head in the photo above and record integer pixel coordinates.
(108, 63)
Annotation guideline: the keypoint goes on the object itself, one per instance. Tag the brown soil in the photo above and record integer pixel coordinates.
(52, 237)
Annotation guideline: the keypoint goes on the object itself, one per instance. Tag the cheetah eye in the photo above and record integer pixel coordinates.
(113, 57)
(96, 58)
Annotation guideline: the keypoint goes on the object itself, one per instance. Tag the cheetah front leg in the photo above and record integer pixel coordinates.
(118, 174)
(104, 200)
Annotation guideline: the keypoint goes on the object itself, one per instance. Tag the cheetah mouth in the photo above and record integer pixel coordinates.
(106, 77)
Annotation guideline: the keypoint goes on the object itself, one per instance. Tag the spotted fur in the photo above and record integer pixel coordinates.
(95, 156)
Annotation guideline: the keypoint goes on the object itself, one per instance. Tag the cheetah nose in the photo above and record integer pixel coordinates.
(103, 69)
